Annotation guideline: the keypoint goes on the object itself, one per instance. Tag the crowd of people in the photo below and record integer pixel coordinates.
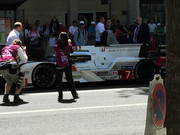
(82, 34)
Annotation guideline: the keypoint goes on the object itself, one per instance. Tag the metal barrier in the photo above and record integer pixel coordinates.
(125, 39)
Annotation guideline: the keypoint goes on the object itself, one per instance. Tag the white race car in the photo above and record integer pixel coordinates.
(92, 64)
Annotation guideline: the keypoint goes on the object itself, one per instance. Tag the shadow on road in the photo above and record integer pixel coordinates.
(88, 86)
(13, 104)
(130, 92)
(67, 101)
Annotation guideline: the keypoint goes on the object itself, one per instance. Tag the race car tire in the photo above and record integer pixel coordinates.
(144, 71)
(43, 76)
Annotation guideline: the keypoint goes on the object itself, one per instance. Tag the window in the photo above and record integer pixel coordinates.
(153, 8)
(104, 1)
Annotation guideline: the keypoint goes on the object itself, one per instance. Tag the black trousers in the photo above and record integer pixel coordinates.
(69, 78)
(97, 43)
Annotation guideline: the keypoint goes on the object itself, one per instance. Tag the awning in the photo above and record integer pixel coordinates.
(10, 4)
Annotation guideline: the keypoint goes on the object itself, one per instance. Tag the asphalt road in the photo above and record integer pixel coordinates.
(99, 111)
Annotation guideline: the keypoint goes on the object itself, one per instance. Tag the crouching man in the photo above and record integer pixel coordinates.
(11, 72)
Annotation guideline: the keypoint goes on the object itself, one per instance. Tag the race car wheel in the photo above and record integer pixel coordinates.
(144, 71)
(43, 76)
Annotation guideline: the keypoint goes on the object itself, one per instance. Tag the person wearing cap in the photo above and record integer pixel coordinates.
(92, 33)
(13, 53)
(158, 33)
(62, 51)
(81, 35)
(14, 34)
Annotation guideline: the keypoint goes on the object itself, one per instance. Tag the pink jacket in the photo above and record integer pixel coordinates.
(61, 58)
(8, 52)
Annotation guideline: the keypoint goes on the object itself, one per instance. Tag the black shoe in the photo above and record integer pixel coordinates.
(6, 99)
(17, 99)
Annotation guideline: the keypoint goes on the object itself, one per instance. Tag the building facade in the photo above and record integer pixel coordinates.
(68, 10)
(123, 10)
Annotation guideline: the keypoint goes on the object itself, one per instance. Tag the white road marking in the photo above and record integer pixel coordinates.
(90, 91)
(70, 109)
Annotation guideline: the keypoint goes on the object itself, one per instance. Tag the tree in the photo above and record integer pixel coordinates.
(172, 123)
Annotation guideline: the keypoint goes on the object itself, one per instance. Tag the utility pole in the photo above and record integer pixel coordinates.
(72, 10)
(110, 8)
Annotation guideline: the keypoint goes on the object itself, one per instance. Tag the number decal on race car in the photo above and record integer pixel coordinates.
(126, 74)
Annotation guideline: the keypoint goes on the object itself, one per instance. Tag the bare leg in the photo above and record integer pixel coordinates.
(7, 88)
(6, 93)
(18, 90)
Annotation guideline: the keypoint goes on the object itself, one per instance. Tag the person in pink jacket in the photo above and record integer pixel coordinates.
(62, 51)
(13, 53)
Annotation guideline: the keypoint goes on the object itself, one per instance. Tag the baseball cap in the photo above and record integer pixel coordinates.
(81, 22)
(93, 22)
(63, 34)
(158, 24)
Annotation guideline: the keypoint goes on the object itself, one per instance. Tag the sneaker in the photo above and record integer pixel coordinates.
(6, 99)
(17, 99)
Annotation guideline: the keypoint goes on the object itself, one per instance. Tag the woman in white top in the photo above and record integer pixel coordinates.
(151, 25)
(33, 36)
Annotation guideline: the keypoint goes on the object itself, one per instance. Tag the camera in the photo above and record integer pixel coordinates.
(20, 79)
(13, 68)
(81, 17)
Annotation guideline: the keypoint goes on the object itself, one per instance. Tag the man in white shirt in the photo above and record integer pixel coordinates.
(151, 25)
(73, 27)
(14, 34)
(99, 30)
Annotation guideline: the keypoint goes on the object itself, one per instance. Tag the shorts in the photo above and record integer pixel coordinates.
(9, 78)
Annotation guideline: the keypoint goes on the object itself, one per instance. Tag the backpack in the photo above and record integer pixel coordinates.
(79, 33)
